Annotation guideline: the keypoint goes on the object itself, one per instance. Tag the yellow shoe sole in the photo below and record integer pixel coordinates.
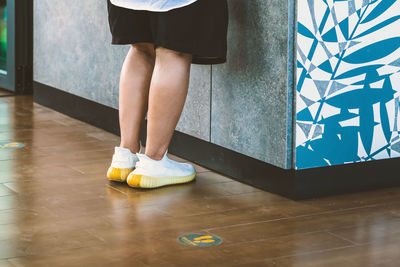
(143, 181)
(118, 174)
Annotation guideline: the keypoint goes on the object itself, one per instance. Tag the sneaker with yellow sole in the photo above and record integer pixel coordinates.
(150, 173)
(123, 163)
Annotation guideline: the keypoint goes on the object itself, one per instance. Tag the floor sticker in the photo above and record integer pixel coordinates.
(200, 240)
(10, 145)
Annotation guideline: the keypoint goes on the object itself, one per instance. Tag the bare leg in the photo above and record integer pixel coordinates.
(168, 91)
(134, 85)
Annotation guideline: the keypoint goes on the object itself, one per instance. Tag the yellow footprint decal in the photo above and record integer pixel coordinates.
(199, 240)
(204, 239)
(10, 145)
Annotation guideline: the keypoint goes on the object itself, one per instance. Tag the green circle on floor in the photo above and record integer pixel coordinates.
(10, 145)
(200, 240)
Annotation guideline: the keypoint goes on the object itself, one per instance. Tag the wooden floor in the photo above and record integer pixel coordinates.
(58, 209)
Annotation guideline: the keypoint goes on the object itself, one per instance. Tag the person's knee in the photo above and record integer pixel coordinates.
(160, 51)
(147, 49)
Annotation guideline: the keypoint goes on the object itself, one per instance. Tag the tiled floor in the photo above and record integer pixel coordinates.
(58, 209)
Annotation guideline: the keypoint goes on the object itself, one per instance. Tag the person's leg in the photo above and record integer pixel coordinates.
(168, 91)
(134, 85)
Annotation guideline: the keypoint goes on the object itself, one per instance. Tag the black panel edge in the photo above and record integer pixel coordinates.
(23, 47)
(222, 160)
(347, 178)
(237, 166)
(77, 107)
(290, 183)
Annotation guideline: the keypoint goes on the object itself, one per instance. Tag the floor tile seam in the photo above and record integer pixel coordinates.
(284, 218)
(116, 189)
(9, 188)
(339, 210)
(202, 213)
(243, 224)
(395, 219)
(304, 254)
(341, 237)
(44, 254)
(274, 237)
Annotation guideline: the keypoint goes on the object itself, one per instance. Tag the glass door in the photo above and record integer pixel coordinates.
(7, 74)
(16, 49)
(3, 36)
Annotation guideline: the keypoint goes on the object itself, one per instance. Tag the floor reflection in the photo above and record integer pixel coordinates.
(58, 209)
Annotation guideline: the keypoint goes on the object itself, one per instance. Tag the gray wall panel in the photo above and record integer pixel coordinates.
(72, 52)
(249, 93)
(72, 49)
(243, 102)
(195, 119)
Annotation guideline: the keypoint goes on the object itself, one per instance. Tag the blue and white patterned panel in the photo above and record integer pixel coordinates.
(348, 81)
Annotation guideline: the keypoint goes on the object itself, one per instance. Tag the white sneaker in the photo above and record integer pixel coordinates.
(150, 173)
(123, 163)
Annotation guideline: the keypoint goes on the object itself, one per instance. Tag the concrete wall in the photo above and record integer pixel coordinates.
(249, 93)
(241, 105)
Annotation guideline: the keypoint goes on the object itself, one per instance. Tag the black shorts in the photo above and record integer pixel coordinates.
(199, 28)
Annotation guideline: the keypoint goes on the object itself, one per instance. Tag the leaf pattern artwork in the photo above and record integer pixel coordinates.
(348, 81)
